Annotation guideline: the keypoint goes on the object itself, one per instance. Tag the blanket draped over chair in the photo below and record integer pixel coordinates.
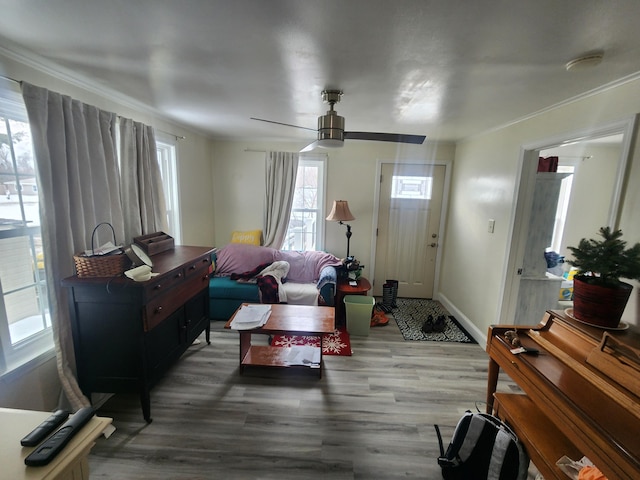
(269, 277)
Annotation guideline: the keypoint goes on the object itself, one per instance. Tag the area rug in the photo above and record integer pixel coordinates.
(413, 312)
(336, 343)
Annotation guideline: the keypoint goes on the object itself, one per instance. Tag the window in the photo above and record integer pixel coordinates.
(306, 223)
(408, 187)
(167, 160)
(563, 207)
(25, 323)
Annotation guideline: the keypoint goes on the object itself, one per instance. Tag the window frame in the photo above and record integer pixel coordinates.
(167, 151)
(34, 348)
(319, 161)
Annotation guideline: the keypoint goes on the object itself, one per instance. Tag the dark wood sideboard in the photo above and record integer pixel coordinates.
(127, 334)
(581, 394)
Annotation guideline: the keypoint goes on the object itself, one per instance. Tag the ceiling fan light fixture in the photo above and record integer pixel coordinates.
(584, 62)
(329, 143)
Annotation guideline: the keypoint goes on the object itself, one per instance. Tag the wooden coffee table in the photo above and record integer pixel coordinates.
(286, 320)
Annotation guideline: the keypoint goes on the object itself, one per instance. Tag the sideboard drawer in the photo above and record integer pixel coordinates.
(164, 283)
(194, 267)
(161, 306)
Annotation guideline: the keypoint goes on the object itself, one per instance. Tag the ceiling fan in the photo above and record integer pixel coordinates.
(331, 132)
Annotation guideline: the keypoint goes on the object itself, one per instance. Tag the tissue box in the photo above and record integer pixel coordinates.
(566, 290)
(154, 243)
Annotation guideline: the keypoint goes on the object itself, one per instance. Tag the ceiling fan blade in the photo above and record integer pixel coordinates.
(309, 148)
(385, 137)
(285, 124)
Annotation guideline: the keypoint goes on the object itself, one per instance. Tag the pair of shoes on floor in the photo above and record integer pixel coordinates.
(427, 326)
(438, 325)
(379, 319)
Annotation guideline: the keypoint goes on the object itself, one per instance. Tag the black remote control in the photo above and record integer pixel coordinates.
(44, 429)
(46, 452)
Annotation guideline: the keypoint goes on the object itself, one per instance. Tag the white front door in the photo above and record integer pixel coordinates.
(408, 228)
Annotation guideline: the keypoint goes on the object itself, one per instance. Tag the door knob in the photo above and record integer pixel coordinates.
(434, 245)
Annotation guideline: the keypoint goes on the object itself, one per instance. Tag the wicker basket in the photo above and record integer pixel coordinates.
(109, 265)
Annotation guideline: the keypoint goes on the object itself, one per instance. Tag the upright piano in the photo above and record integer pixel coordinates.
(580, 394)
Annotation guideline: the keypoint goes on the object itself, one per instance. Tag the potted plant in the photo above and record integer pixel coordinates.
(599, 296)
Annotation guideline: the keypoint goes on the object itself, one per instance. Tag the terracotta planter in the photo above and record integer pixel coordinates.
(602, 306)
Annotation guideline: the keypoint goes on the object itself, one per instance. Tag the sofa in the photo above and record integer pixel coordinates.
(257, 274)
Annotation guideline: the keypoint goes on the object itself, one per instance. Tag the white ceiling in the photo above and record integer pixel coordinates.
(445, 69)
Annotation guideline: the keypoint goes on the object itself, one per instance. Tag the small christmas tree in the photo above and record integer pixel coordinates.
(605, 262)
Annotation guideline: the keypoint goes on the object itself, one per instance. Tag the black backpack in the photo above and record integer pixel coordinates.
(482, 448)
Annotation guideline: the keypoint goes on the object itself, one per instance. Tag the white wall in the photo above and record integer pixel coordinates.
(239, 191)
(593, 181)
(483, 186)
(36, 389)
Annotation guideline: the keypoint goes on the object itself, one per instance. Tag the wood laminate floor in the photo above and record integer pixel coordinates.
(371, 416)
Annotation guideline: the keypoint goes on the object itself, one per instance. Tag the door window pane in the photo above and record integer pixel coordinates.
(406, 187)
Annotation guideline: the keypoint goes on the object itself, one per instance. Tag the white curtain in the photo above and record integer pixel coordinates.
(281, 171)
(78, 183)
(141, 182)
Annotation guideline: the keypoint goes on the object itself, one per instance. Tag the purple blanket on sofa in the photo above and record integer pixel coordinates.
(304, 267)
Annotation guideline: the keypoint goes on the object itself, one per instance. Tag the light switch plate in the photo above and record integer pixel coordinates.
(492, 225)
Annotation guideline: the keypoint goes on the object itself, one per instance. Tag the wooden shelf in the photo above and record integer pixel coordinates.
(266, 356)
(542, 440)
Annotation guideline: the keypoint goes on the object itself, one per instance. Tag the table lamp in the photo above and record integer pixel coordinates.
(341, 213)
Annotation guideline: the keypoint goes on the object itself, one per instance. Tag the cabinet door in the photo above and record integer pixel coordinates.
(163, 345)
(107, 344)
(196, 315)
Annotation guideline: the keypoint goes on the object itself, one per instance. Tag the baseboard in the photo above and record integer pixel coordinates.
(468, 325)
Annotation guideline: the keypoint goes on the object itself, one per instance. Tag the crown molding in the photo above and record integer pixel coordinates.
(42, 65)
(590, 93)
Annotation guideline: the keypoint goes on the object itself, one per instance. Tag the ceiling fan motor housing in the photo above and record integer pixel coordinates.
(331, 132)
(331, 127)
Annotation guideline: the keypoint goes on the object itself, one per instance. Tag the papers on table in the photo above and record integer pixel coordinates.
(251, 316)
(105, 249)
(304, 355)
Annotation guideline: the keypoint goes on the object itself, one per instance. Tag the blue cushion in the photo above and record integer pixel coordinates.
(223, 308)
(224, 287)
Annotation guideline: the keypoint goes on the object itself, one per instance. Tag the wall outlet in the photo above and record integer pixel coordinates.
(492, 225)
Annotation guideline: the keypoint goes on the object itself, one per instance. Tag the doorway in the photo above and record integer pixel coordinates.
(593, 164)
(408, 227)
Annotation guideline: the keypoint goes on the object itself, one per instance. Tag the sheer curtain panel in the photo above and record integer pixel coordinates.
(281, 171)
(78, 183)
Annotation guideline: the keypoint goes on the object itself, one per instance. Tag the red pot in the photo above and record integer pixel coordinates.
(598, 305)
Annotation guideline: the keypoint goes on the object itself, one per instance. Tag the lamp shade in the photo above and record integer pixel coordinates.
(340, 212)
